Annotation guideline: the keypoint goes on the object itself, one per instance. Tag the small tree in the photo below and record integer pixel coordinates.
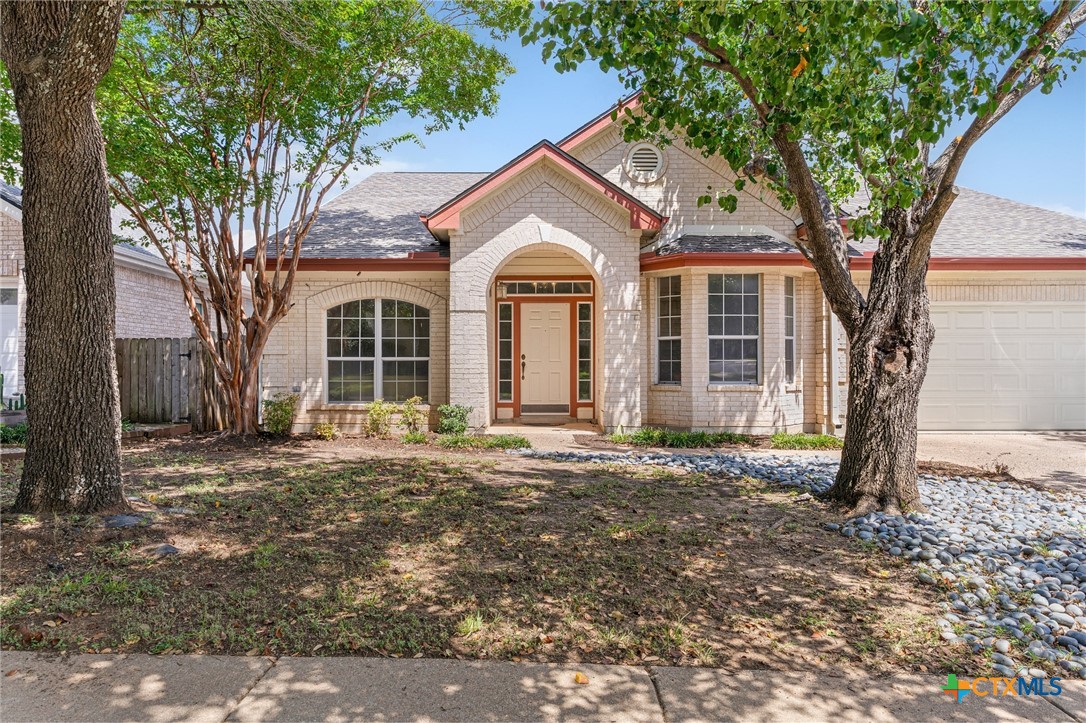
(228, 124)
(54, 55)
(816, 99)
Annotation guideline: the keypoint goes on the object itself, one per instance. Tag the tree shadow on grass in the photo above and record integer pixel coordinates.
(477, 556)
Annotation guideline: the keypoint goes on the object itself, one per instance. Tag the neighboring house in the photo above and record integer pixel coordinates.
(150, 302)
(582, 281)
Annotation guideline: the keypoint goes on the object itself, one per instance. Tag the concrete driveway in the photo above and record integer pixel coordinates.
(1056, 460)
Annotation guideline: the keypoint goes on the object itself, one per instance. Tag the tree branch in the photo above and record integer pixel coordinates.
(826, 247)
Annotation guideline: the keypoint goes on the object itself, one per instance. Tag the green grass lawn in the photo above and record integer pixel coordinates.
(380, 549)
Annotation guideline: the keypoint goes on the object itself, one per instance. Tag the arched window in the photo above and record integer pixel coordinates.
(378, 349)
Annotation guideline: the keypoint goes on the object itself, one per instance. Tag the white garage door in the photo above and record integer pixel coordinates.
(1005, 366)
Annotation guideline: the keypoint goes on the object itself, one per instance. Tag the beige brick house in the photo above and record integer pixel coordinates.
(150, 302)
(581, 281)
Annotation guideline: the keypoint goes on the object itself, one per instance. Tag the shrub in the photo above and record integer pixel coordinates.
(279, 413)
(655, 437)
(379, 418)
(326, 430)
(414, 438)
(411, 417)
(497, 441)
(454, 418)
(14, 434)
(783, 440)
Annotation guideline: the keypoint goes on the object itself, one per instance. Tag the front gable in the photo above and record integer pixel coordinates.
(508, 183)
(687, 175)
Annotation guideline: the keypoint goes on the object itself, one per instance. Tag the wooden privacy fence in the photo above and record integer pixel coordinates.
(168, 381)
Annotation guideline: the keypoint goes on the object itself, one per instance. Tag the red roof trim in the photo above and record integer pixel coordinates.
(448, 215)
(414, 261)
(990, 263)
(651, 262)
(598, 123)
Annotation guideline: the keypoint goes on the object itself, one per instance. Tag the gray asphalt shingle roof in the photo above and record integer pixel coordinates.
(980, 224)
(379, 216)
(725, 244)
(11, 194)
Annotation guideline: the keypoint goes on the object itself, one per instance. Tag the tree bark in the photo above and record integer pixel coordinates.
(888, 360)
(55, 54)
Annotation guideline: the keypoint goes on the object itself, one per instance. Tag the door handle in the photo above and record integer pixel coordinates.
(523, 366)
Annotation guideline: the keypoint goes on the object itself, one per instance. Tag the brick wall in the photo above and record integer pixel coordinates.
(546, 210)
(769, 406)
(686, 176)
(294, 359)
(148, 304)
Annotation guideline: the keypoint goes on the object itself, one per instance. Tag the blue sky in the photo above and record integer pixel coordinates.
(1037, 154)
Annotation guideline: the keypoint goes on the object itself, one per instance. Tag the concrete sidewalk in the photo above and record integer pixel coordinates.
(40, 687)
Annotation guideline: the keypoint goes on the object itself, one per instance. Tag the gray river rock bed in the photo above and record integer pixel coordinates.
(1011, 559)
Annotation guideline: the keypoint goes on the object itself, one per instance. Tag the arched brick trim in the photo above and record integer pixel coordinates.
(372, 289)
(485, 263)
(318, 304)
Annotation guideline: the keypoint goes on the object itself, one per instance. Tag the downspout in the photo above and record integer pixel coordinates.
(832, 382)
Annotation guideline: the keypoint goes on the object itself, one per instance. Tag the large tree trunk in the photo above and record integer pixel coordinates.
(888, 359)
(55, 54)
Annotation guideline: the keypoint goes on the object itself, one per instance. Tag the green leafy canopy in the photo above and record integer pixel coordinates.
(252, 101)
(866, 87)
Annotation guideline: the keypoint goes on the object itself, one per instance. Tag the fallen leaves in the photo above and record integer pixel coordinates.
(580, 678)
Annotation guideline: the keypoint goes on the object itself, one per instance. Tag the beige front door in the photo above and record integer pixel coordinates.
(544, 360)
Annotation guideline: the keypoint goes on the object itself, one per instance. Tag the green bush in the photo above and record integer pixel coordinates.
(14, 434)
(497, 441)
(655, 437)
(379, 418)
(326, 430)
(279, 413)
(783, 440)
(453, 419)
(414, 438)
(411, 417)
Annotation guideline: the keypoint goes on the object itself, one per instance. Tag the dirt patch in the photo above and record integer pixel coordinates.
(949, 469)
(375, 548)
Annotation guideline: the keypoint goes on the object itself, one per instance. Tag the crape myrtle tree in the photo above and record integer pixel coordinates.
(54, 54)
(826, 101)
(228, 125)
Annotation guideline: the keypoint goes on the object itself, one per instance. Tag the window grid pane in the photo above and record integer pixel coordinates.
(733, 328)
(559, 288)
(371, 356)
(789, 330)
(505, 352)
(584, 352)
(669, 330)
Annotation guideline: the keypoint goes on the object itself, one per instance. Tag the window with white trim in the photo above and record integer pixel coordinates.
(669, 330)
(790, 329)
(383, 355)
(505, 352)
(584, 351)
(734, 328)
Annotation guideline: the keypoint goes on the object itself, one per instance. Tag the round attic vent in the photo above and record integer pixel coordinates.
(644, 163)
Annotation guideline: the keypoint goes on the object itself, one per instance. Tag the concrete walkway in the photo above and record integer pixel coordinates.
(1055, 460)
(40, 687)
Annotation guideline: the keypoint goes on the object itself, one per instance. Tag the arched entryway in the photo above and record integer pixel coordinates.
(545, 345)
